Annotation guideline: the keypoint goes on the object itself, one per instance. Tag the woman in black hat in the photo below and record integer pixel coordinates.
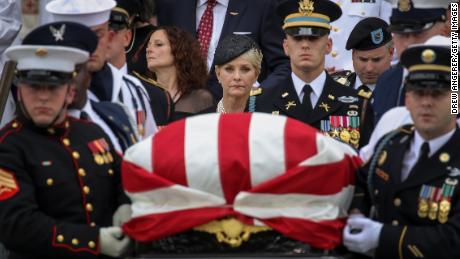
(238, 63)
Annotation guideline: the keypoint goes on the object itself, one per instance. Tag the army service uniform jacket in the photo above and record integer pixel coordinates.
(421, 215)
(58, 186)
(338, 112)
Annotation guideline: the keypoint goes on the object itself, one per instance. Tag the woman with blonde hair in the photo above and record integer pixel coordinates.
(238, 63)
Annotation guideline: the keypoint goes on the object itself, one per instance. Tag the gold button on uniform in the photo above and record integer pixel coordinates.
(89, 207)
(60, 238)
(66, 142)
(86, 189)
(110, 172)
(75, 242)
(93, 224)
(81, 172)
(395, 223)
(334, 54)
(15, 125)
(397, 202)
(91, 244)
(75, 155)
(49, 181)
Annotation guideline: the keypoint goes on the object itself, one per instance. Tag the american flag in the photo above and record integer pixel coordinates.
(259, 168)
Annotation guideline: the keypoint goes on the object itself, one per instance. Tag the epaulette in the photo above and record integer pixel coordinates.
(148, 80)
(255, 91)
(406, 129)
(365, 94)
(343, 77)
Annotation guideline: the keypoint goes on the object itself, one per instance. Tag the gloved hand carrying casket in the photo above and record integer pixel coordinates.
(236, 176)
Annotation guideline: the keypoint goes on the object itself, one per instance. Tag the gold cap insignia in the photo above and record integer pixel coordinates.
(41, 52)
(444, 157)
(306, 7)
(428, 56)
(404, 5)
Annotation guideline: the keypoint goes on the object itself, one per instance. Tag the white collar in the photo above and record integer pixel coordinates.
(203, 2)
(358, 83)
(435, 144)
(317, 84)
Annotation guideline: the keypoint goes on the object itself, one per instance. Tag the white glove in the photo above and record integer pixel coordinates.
(112, 241)
(365, 236)
(122, 215)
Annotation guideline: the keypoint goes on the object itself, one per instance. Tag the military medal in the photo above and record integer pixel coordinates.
(335, 124)
(422, 211)
(140, 116)
(345, 135)
(325, 127)
(445, 205)
(98, 159)
(435, 195)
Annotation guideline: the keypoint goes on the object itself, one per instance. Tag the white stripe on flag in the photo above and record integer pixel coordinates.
(141, 154)
(172, 198)
(201, 154)
(301, 206)
(329, 151)
(267, 159)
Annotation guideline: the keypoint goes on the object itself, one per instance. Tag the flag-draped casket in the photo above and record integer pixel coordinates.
(263, 170)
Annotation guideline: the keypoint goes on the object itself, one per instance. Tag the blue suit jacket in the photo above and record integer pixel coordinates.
(388, 92)
(255, 16)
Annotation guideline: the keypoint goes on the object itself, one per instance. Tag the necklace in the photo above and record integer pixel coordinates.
(220, 107)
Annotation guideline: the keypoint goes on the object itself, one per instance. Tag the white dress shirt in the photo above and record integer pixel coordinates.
(358, 83)
(317, 86)
(412, 155)
(219, 13)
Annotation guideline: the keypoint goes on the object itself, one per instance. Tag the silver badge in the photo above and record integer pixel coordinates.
(348, 99)
(58, 34)
(454, 171)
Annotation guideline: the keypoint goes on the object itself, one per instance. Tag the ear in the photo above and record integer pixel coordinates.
(329, 45)
(286, 47)
(71, 93)
(127, 38)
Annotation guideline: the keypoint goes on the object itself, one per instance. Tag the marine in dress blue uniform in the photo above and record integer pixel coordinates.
(339, 111)
(113, 118)
(108, 84)
(60, 179)
(412, 180)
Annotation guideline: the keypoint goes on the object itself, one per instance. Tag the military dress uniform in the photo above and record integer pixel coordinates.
(368, 34)
(338, 112)
(421, 215)
(353, 12)
(59, 185)
(407, 17)
(409, 187)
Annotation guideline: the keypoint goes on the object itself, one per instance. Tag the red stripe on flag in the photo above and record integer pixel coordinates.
(168, 146)
(299, 142)
(316, 180)
(137, 179)
(233, 150)
(155, 226)
(322, 235)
